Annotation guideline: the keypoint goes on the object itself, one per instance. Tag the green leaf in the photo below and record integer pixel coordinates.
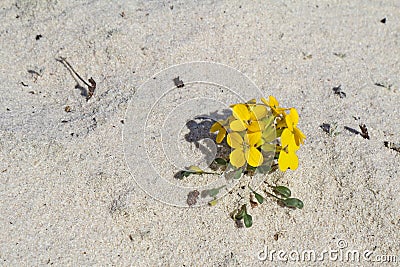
(241, 213)
(237, 174)
(248, 220)
(259, 198)
(220, 161)
(181, 174)
(196, 170)
(211, 192)
(282, 190)
(293, 203)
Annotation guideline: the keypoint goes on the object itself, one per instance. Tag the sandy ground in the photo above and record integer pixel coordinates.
(67, 194)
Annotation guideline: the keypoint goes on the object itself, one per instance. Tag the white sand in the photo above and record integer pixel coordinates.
(71, 199)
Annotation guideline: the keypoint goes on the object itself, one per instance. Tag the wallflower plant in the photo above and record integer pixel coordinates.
(253, 128)
(263, 137)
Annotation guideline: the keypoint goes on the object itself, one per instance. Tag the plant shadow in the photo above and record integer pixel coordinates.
(199, 133)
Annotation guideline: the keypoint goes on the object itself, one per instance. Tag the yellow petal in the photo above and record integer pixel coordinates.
(254, 157)
(237, 158)
(264, 101)
(220, 136)
(235, 140)
(273, 102)
(283, 161)
(287, 160)
(238, 126)
(294, 116)
(287, 138)
(256, 126)
(253, 138)
(241, 112)
(294, 160)
(258, 112)
(216, 126)
(298, 136)
(289, 122)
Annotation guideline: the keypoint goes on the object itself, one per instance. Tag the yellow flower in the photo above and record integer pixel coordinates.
(291, 121)
(287, 156)
(274, 105)
(247, 117)
(245, 149)
(222, 127)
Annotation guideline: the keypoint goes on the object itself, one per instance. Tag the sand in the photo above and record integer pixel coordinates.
(70, 194)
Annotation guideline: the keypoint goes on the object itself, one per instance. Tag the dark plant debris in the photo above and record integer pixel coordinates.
(326, 127)
(394, 146)
(35, 74)
(338, 91)
(178, 83)
(384, 85)
(91, 85)
(383, 20)
(192, 197)
(67, 109)
(306, 56)
(341, 55)
(276, 236)
(91, 88)
(181, 174)
(38, 37)
(239, 223)
(364, 131)
(253, 204)
(24, 84)
(330, 129)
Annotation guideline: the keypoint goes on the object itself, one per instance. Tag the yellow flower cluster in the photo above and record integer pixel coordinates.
(252, 130)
